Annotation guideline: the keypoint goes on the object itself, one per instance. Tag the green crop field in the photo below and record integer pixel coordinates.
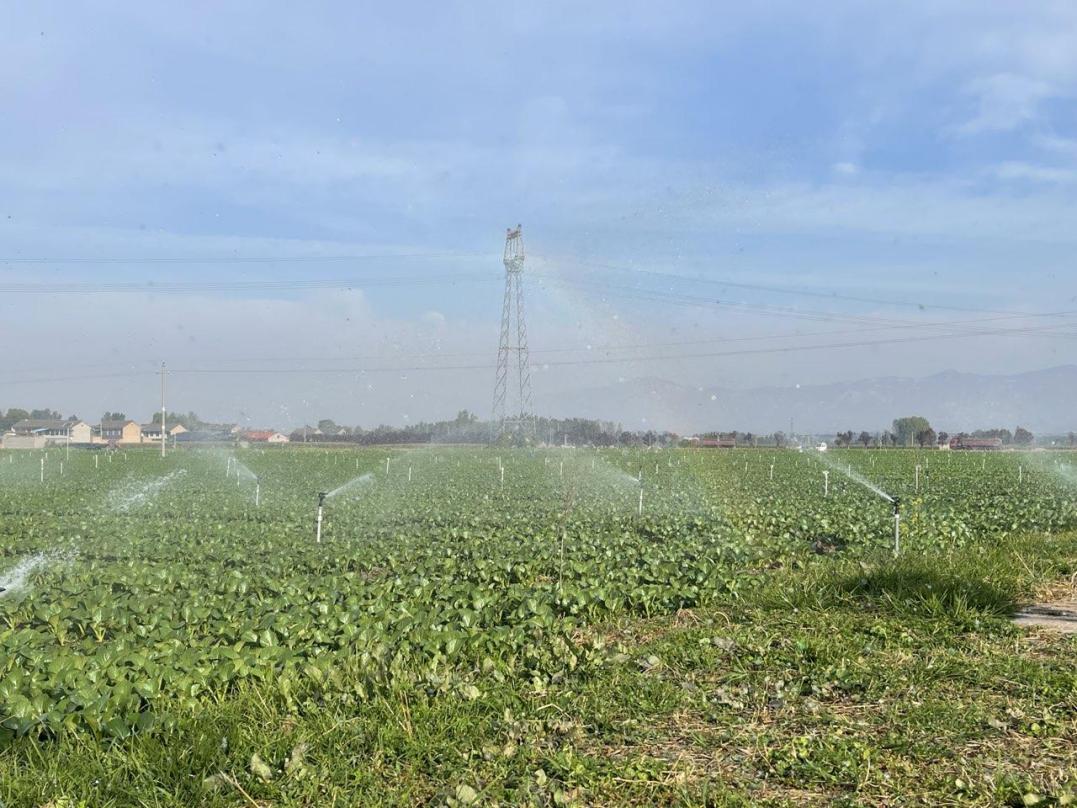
(488, 626)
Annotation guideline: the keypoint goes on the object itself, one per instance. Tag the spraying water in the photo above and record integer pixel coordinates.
(124, 499)
(855, 476)
(355, 482)
(244, 473)
(14, 579)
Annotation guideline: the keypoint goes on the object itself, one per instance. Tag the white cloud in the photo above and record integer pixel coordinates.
(1004, 101)
(1035, 173)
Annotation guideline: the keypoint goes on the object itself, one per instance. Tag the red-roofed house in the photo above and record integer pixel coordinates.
(263, 436)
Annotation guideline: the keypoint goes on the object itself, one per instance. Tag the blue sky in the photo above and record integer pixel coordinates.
(925, 153)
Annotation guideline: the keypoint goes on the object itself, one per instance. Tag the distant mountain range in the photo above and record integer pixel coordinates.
(1044, 401)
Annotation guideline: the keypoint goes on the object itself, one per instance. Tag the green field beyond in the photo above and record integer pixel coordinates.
(491, 626)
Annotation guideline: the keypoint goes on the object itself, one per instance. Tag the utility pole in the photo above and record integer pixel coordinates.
(162, 409)
(514, 300)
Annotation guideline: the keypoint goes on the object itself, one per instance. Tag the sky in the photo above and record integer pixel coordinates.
(710, 195)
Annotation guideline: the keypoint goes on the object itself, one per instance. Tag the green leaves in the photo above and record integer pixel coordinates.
(431, 584)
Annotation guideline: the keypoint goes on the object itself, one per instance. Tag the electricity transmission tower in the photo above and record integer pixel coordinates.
(505, 414)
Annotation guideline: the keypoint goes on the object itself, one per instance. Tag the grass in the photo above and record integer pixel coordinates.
(838, 682)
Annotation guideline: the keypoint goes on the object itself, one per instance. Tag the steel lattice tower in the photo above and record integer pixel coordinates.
(514, 301)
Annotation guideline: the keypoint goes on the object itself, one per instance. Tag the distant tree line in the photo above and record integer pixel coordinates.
(467, 427)
(917, 431)
(14, 415)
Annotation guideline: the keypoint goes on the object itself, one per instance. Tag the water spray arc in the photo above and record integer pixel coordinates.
(512, 308)
(852, 475)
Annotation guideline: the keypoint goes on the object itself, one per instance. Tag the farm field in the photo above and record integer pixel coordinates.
(557, 626)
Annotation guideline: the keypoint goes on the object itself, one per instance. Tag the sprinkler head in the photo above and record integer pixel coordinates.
(897, 506)
(321, 498)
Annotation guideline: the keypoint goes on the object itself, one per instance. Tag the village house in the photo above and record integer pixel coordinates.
(123, 431)
(263, 436)
(52, 431)
(151, 433)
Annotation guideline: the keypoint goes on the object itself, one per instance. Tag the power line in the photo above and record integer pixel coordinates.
(235, 259)
(234, 286)
(346, 282)
(662, 358)
(562, 363)
(724, 282)
(1038, 331)
(650, 295)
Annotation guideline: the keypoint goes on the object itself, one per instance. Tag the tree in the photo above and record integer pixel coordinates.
(465, 417)
(328, 426)
(865, 438)
(14, 415)
(779, 440)
(843, 438)
(1003, 434)
(926, 437)
(1022, 437)
(906, 429)
(114, 416)
(944, 437)
(189, 420)
(45, 415)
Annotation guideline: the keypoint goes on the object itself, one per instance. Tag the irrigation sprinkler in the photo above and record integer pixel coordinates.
(561, 469)
(257, 493)
(917, 479)
(387, 467)
(409, 474)
(95, 459)
(897, 526)
(1020, 474)
(42, 469)
(502, 478)
(318, 523)
(61, 468)
(641, 500)
(771, 471)
(826, 483)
